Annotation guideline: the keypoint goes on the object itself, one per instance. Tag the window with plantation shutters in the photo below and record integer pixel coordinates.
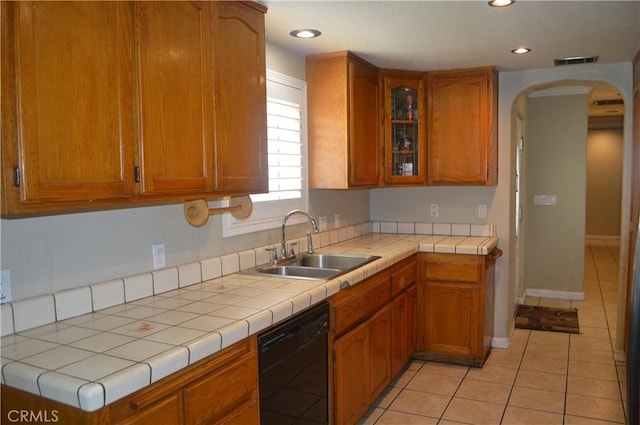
(286, 113)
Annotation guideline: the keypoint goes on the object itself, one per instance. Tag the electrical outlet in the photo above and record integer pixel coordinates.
(435, 210)
(336, 221)
(5, 286)
(482, 210)
(322, 223)
(158, 256)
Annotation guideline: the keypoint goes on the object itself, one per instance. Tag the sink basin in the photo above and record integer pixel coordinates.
(332, 261)
(317, 266)
(299, 272)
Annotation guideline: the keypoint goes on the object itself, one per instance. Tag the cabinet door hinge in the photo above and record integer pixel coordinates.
(136, 173)
(16, 176)
(333, 356)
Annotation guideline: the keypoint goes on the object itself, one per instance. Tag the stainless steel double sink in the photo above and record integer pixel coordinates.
(316, 266)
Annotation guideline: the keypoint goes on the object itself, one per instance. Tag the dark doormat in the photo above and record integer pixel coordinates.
(547, 319)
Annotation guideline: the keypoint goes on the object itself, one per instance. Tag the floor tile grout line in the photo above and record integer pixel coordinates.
(566, 382)
(454, 395)
(513, 384)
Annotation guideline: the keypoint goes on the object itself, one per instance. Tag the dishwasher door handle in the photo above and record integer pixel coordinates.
(264, 345)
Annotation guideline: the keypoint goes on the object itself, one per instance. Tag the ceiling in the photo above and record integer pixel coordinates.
(435, 35)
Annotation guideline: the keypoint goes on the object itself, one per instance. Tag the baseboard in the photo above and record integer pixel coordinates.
(500, 342)
(550, 293)
(602, 237)
(619, 355)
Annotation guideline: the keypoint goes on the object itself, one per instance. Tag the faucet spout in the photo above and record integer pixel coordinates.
(283, 241)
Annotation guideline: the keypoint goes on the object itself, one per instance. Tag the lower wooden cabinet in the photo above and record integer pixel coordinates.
(221, 389)
(360, 318)
(373, 337)
(249, 414)
(362, 366)
(452, 322)
(403, 313)
(379, 354)
(351, 387)
(224, 394)
(403, 328)
(455, 307)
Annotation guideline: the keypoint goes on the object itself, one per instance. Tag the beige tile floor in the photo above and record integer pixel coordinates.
(543, 378)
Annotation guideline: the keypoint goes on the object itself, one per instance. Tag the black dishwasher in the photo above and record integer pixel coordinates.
(293, 365)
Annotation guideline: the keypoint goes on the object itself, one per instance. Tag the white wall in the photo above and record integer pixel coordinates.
(604, 183)
(555, 156)
(456, 204)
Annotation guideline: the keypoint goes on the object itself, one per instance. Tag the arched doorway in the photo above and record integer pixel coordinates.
(512, 86)
(568, 185)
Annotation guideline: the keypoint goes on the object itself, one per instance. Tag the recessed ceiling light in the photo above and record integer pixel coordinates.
(501, 3)
(305, 33)
(521, 50)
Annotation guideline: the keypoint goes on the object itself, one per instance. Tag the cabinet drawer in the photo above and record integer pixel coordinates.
(355, 305)
(403, 276)
(226, 390)
(454, 267)
(167, 411)
(249, 414)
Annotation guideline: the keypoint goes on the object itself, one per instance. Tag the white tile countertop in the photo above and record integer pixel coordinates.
(92, 359)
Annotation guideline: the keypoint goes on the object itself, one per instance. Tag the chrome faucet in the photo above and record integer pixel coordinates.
(283, 242)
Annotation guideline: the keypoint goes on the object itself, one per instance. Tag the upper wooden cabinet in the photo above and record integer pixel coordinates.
(240, 98)
(344, 120)
(175, 91)
(67, 121)
(462, 127)
(404, 129)
(118, 103)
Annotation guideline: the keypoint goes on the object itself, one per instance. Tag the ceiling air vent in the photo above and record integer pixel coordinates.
(604, 102)
(575, 60)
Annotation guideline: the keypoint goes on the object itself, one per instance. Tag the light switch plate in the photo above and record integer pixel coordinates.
(482, 211)
(322, 223)
(545, 200)
(158, 256)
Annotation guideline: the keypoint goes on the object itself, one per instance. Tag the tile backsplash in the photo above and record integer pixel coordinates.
(33, 312)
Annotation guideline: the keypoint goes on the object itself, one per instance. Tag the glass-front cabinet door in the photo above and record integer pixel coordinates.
(404, 132)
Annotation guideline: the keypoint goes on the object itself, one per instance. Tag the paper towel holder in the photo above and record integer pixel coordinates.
(197, 211)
